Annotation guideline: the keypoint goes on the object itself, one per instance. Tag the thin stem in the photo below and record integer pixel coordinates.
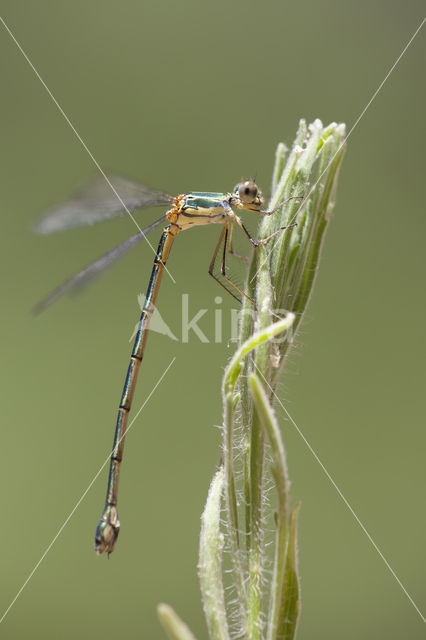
(175, 628)
(250, 621)
(210, 565)
(279, 473)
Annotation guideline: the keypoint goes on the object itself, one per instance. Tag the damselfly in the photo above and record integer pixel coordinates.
(99, 202)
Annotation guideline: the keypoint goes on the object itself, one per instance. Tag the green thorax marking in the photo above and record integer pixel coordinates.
(204, 200)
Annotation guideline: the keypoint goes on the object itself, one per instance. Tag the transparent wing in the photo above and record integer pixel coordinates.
(97, 202)
(96, 268)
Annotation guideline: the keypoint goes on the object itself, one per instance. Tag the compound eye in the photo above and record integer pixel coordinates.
(248, 192)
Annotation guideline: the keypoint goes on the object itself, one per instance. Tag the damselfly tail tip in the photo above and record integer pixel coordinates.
(107, 531)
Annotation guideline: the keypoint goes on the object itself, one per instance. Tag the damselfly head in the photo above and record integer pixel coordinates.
(248, 192)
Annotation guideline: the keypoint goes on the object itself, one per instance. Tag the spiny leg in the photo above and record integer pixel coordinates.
(269, 213)
(223, 241)
(213, 261)
(258, 243)
(223, 269)
(231, 244)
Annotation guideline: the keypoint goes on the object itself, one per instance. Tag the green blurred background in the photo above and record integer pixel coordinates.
(184, 96)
